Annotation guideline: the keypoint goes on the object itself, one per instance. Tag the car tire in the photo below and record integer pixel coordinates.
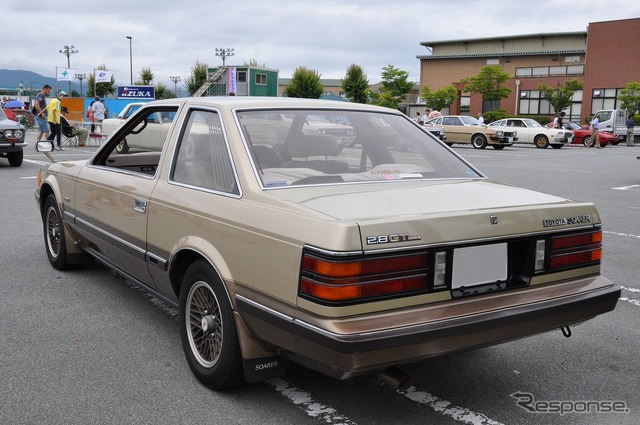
(541, 142)
(478, 141)
(208, 330)
(15, 158)
(448, 144)
(122, 147)
(587, 141)
(54, 236)
(616, 142)
(557, 145)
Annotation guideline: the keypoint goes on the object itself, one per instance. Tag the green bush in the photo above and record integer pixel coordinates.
(491, 116)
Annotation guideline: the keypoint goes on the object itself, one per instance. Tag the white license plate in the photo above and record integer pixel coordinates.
(478, 265)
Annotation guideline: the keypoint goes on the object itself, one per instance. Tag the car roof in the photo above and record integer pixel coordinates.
(238, 102)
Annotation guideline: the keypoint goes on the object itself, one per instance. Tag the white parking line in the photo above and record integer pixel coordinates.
(457, 413)
(621, 234)
(633, 186)
(327, 414)
(630, 300)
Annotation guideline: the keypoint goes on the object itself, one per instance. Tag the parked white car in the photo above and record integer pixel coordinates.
(151, 139)
(531, 131)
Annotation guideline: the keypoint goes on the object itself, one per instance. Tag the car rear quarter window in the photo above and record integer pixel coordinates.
(202, 158)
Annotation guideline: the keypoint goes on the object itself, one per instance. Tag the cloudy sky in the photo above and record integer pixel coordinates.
(325, 35)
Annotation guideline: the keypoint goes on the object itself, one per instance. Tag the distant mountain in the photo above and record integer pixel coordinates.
(10, 80)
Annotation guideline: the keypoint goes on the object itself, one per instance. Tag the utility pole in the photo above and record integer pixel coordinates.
(68, 51)
(80, 77)
(224, 53)
(176, 79)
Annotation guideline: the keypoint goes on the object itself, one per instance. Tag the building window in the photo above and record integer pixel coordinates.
(493, 61)
(540, 71)
(532, 102)
(604, 99)
(572, 58)
(575, 69)
(261, 79)
(545, 71)
(465, 105)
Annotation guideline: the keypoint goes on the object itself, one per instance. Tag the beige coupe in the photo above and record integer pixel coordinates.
(281, 246)
(464, 129)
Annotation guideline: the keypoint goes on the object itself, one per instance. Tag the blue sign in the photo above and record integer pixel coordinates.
(136, 92)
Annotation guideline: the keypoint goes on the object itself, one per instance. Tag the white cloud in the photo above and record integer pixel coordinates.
(326, 36)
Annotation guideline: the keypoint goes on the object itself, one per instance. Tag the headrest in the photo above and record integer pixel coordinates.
(313, 145)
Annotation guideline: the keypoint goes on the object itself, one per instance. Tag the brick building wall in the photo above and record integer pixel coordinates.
(613, 58)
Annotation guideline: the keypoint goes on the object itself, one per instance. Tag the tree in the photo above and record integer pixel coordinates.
(355, 84)
(488, 82)
(146, 77)
(630, 98)
(439, 99)
(163, 92)
(304, 83)
(197, 78)
(395, 86)
(100, 89)
(254, 64)
(560, 99)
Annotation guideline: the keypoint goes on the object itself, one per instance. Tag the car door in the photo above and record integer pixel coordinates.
(456, 130)
(525, 134)
(111, 201)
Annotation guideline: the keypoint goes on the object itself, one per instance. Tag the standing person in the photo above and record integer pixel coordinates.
(90, 115)
(594, 132)
(557, 121)
(106, 110)
(425, 117)
(434, 114)
(98, 114)
(40, 111)
(481, 118)
(418, 118)
(53, 117)
(69, 127)
(630, 124)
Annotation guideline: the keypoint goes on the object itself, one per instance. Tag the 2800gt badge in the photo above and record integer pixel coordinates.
(396, 237)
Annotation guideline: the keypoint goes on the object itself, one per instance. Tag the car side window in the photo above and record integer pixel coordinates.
(203, 159)
(450, 121)
(137, 145)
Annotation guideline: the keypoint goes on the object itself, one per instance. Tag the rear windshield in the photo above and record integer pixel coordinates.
(309, 147)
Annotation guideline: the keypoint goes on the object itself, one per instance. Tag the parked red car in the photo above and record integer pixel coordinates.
(10, 114)
(583, 135)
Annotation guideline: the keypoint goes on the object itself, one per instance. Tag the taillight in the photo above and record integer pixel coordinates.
(575, 250)
(336, 280)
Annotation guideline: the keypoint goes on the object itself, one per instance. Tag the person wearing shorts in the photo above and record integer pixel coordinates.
(40, 106)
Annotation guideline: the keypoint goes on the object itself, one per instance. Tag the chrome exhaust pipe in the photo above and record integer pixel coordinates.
(396, 378)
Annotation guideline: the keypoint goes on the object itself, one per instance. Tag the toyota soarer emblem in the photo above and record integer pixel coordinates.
(493, 219)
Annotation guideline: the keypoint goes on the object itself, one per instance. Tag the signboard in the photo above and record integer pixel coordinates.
(136, 92)
(232, 80)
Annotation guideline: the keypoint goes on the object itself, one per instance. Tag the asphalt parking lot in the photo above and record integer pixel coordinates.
(89, 347)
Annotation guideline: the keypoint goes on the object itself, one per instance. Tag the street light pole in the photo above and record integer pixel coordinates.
(68, 51)
(130, 58)
(224, 53)
(80, 77)
(176, 79)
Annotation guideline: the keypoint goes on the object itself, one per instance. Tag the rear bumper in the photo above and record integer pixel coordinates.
(346, 347)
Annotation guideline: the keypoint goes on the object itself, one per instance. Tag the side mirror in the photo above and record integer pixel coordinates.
(44, 146)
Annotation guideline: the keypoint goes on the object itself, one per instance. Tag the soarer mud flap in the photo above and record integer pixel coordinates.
(262, 369)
